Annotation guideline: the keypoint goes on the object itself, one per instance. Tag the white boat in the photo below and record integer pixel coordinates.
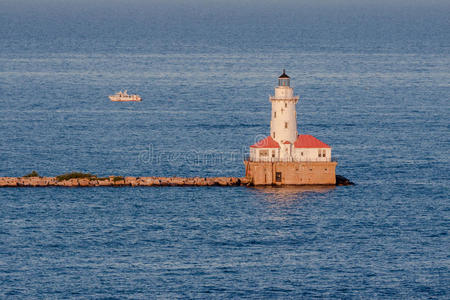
(123, 96)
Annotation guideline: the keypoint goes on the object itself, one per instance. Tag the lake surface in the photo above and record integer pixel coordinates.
(373, 81)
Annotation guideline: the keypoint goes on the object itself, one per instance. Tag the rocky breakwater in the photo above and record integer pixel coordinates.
(77, 179)
(120, 181)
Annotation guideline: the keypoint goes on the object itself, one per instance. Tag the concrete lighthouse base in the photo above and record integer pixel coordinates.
(291, 173)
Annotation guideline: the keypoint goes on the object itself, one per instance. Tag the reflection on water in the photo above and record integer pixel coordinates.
(291, 204)
(290, 193)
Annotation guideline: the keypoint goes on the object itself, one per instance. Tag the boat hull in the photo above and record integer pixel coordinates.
(125, 99)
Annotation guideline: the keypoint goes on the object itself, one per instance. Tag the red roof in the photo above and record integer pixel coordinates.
(268, 142)
(308, 141)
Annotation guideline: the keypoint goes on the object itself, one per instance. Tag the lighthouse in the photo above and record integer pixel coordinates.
(285, 156)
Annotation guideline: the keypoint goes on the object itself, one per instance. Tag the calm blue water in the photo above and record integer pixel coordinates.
(374, 82)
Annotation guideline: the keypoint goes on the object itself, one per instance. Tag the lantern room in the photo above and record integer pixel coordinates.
(284, 80)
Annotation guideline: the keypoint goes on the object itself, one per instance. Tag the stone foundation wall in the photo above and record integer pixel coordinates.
(291, 173)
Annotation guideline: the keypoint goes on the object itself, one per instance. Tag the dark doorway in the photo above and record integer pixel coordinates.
(278, 176)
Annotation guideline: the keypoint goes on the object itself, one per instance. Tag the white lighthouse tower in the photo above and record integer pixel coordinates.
(283, 125)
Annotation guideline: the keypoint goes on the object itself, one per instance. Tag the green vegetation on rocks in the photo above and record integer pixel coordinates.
(118, 178)
(73, 175)
(32, 174)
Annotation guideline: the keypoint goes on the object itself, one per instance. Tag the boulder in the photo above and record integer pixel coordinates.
(70, 182)
(49, 181)
(35, 181)
(244, 181)
(198, 181)
(145, 181)
(103, 182)
(118, 182)
(222, 181)
(189, 181)
(163, 181)
(341, 180)
(140, 181)
(83, 182)
(208, 181)
(131, 181)
(24, 181)
(8, 181)
(177, 181)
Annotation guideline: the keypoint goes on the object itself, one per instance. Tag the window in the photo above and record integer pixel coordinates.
(324, 153)
(285, 124)
(283, 82)
(273, 153)
(285, 104)
(264, 153)
(302, 153)
(274, 114)
(320, 153)
(274, 134)
(278, 176)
